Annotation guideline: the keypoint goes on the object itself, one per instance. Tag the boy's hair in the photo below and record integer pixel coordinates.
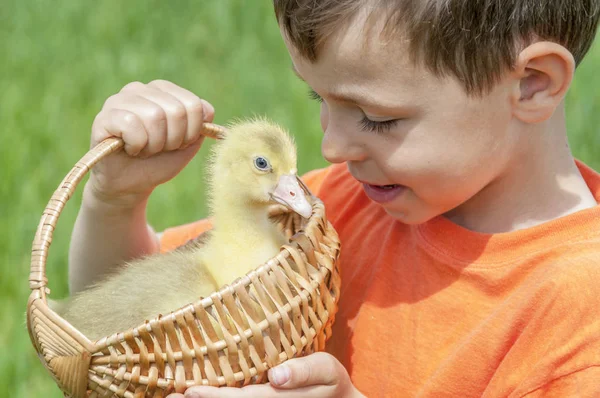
(476, 41)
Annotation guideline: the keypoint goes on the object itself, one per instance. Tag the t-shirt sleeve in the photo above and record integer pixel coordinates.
(172, 238)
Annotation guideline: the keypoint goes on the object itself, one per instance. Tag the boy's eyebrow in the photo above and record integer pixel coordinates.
(359, 99)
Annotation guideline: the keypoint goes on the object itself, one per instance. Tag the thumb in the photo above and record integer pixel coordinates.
(316, 369)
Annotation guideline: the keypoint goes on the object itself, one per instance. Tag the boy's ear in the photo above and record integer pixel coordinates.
(544, 72)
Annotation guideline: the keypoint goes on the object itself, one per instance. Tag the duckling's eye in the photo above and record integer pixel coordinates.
(261, 163)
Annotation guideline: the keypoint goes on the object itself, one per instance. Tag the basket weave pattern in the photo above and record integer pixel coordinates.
(283, 309)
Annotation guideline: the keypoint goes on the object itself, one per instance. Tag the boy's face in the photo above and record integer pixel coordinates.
(396, 124)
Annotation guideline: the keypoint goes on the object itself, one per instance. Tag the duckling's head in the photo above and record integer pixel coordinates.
(255, 164)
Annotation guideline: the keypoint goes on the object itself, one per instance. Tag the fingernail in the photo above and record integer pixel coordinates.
(279, 375)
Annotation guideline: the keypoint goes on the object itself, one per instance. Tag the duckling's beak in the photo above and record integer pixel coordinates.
(289, 193)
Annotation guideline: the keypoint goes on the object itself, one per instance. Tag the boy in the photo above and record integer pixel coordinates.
(471, 237)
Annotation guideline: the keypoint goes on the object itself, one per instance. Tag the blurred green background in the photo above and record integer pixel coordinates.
(61, 60)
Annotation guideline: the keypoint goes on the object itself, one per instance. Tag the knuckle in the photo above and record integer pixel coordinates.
(324, 356)
(195, 106)
(130, 121)
(98, 119)
(156, 114)
(304, 373)
(112, 101)
(178, 112)
(158, 82)
(97, 128)
(133, 86)
(328, 368)
(332, 368)
(331, 372)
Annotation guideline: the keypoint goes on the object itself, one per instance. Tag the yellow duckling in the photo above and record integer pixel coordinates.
(251, 169)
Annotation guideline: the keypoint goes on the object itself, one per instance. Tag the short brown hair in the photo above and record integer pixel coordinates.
(473, 40)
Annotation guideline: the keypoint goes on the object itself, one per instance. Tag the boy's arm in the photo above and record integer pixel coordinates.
(105, 235)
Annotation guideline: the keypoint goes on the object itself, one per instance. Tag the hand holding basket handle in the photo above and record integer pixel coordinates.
(230, 338)
(161, 125)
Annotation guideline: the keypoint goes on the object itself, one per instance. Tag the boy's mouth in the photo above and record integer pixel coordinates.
(383, 193)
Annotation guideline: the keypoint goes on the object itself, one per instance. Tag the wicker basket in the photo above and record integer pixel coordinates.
(282, 309)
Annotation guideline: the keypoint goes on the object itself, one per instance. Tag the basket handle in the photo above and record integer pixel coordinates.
(43, 235)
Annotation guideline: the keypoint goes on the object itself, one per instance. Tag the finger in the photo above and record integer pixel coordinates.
(198, 110)
(261, 390)
(152, 116)
(184, 154)
(175, 110)
(176, 395)
(316, 369)
(120, 123)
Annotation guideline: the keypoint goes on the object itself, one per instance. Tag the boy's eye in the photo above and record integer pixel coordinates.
(312, 94)
(366, 123)
(378, 127)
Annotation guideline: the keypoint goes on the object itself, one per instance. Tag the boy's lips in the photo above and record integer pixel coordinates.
(383, 193)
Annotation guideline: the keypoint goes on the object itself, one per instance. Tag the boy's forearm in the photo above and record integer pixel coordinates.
(105, 235)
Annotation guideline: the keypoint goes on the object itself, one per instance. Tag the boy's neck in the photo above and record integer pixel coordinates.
(541, 183)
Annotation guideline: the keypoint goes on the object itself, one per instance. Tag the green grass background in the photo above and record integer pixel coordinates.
(61, 60)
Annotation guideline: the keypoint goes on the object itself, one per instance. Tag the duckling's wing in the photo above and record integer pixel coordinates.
(141, 290)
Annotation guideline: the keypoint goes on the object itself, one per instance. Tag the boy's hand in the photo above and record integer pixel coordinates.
(316, 375)
(161, 125)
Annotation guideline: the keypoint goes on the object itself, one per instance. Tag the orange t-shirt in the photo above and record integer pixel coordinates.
(436, 310)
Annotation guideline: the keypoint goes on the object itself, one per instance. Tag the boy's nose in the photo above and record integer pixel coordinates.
(336, 147)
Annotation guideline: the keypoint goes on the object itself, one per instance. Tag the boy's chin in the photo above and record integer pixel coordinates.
(409, 217)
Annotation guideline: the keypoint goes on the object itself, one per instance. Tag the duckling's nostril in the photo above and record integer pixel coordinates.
(292, 193)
